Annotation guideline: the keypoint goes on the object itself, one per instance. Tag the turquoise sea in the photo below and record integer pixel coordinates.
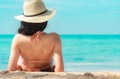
(80, 52)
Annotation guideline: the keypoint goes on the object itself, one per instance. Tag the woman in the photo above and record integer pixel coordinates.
(32, 49)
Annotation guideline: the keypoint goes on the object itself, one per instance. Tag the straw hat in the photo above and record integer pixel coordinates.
(35, 12)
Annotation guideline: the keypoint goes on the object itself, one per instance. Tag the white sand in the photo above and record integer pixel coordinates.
(61, 75)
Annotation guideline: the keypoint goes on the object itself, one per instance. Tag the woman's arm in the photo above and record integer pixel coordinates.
(14, 55)
(59, 66)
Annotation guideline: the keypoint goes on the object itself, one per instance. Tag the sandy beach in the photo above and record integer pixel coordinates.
(61, 75)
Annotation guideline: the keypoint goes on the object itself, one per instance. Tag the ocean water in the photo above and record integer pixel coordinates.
(81, 53)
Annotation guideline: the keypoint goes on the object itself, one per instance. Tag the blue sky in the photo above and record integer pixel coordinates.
(73, 16)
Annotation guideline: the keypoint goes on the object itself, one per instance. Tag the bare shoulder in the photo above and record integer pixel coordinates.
(54, 35)
(17, 38)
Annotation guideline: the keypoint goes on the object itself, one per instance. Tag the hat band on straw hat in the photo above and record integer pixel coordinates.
(35, 14)
(35, 11)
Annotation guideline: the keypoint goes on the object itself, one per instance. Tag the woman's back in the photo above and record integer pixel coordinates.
(43, 47)
(36, 51)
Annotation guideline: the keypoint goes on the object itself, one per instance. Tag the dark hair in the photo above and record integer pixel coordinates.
(27, 28)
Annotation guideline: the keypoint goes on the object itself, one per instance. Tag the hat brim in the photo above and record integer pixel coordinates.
(39, 18)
